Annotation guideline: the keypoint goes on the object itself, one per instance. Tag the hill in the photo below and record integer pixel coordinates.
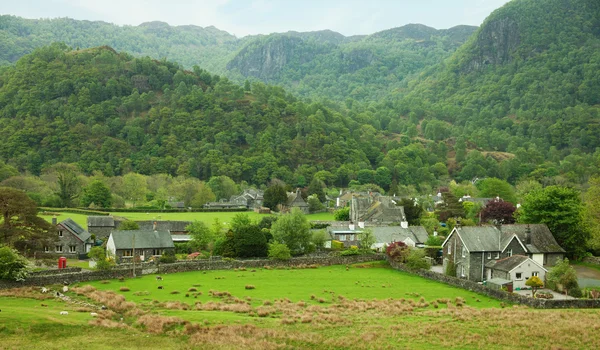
(527, 83)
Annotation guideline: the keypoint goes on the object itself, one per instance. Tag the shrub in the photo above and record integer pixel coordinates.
(337, 245)
(279, 251)
(342, 214)
(12, 265)
(416, 260)
(168, 257)
(352, 251)
(563, 274)
(397, 251)
(451, 269)
(535, 283)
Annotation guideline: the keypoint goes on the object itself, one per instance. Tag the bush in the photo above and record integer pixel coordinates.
(129, 225)
(416, 260)
(397, 251)
(563, 274)
(352, 251)
(342, 214)
(279, 251)
(168, 257)
(450, 269)
(12, 265)
(103, 263)
(337, 245)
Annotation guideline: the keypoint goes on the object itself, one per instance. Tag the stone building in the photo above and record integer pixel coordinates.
(143, 243)
(72, 240)
(102, 226)
(375, 208)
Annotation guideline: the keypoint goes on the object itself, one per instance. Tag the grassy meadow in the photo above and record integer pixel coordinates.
(208, 218)
(368, 306)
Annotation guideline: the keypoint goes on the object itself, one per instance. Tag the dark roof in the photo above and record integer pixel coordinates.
(177, 226)
(387, 234)
(507, 264)
(541, 239)
(143, 239)
(101, 221)
(296, 200)
(75, 229)
(480, 238)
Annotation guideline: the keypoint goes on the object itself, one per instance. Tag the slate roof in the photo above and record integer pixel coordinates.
(480, 238)
(75, 229)
(296, 200)
(144, 239)
(100, 221)
(541, 239)
(387, 234)
(507, 264)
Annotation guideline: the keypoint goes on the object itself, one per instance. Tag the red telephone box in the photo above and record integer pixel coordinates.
(62, 262)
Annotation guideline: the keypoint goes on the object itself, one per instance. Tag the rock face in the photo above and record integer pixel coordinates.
(495, 43)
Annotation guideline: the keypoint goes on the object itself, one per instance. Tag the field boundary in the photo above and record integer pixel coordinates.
(39, 279)
(500, 294)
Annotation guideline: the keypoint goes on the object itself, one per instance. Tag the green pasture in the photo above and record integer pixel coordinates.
(208, 218)
(376, 281)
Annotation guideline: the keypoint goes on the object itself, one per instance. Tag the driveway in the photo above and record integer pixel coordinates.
(557, 296)
(587, 277)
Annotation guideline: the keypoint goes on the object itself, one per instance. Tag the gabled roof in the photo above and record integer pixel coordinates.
(540, 240)
(511, 263)
(101, 221)
(388, 234)
(144, 239)
(296, 200)
(75, 229)
(479, 238)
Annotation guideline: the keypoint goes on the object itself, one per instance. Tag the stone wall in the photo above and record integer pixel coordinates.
(592, 260)
(195, 265)
(55, 271)
(500, 294)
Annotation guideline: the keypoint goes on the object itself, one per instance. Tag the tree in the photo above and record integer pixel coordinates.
(21, 227)
(12, 265)
(314, 204)
(316, 187)
(129, 225)
(450, 208)
(279, 251)
(562, 210)
(416, 260)
(201, 235)
(222, 186)
(98, 254)
(275, 195)
(413, 211)
(134, 187)
(342, 214)
(592, 212)
(367, 239)
(249, 241)
(293, 230)
(397, 251)
(563, 274)
(98, 193)
(319, 238)
(68, 183)
(535, 283)
(492, 187)
(498, 211)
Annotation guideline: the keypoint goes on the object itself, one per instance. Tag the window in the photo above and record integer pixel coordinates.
(60, 233)
(342, 238)
(497, 256)
(449, 248)
(127, 253)
(519, 276)
(59, 248)
(464, 252)
(72, 249)
(509, 252)
(534, 274)
(462, 271)
(489, 256)
(46, 249)
(157, 251)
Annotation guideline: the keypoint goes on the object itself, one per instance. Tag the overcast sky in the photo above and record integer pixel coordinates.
(244, 17)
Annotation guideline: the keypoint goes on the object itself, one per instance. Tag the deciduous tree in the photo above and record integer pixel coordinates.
(293, 229)
(98, 194)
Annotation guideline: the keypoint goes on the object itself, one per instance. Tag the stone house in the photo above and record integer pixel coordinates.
(470, 248)
(143, 243)
(295, 200)
(516, 269)
(413, 236)
(102, 226)
(72, 239)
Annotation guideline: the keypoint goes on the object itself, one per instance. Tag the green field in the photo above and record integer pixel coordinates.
(368, 306)
(208, 218)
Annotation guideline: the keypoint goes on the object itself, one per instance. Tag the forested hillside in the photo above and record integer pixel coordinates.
(527, 83)
(311, 64)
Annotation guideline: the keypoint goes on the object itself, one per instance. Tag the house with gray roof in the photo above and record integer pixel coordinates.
(124, 245)
(413, 236)
(72, 239)
(470, 248)
(295, 200)
(102, 226)
(516, 269)
(375, 208)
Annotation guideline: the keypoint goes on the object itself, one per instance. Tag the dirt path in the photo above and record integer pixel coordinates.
(587, 277)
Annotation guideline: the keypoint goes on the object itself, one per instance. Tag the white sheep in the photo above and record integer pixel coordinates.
(93, 314)
(44, 290)
(64, 312)
(65, 289)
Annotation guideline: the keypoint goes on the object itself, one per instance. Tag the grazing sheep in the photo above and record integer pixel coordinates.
(64, 312)
(65, 289)
(44, 305)
(44, 290)
(104, 307)
(159, 278)
(93, 314)
(160, 287)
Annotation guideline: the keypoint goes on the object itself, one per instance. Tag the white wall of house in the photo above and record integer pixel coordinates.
(527, 269)
(409, 242)
(538, 258)
(110, 246)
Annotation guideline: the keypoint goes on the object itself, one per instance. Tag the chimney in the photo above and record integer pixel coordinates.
(404, 224)
(528, 235)
(361, 224)
(457, 223)
(54, 220)
(154, 226)
(351, 226)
